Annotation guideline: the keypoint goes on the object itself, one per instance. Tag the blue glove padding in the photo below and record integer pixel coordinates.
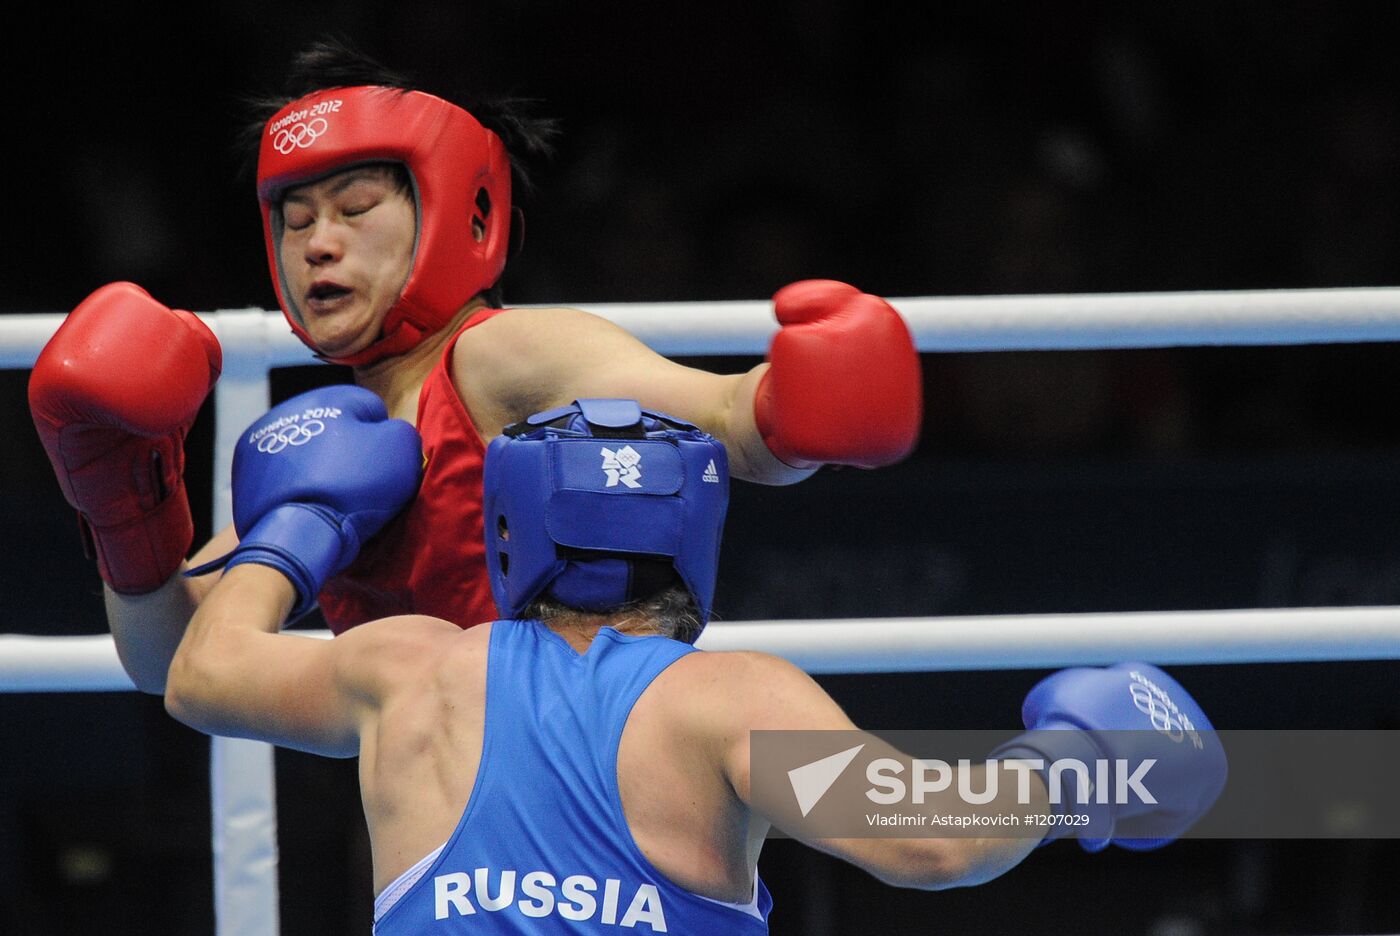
(1128, 712)
(313, 480)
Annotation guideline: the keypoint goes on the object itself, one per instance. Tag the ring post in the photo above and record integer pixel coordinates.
(242, 778)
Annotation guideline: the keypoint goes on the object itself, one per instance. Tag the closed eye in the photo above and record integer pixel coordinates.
(295, 217)
(360, 208)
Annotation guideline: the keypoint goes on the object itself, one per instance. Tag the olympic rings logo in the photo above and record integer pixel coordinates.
(299, 136)
(1161, 717)
(295, 434)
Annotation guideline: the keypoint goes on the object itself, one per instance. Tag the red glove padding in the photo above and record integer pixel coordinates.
(845, 385)
(113, 394)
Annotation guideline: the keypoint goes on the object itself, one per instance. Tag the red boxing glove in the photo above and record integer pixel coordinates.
(845, 386)
(113, 394)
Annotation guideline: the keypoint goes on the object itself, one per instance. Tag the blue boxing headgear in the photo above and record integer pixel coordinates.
(577, 499)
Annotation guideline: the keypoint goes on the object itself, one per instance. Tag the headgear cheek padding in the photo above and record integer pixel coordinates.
(573, 495)
(461, 178)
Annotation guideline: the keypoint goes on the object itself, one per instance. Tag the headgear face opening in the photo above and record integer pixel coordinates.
(461, 179)
(574, 495)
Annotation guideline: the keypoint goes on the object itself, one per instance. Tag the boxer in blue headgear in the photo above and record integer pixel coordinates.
(568, 769)
(601, 503)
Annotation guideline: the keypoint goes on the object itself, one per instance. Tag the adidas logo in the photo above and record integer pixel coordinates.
(711, 475)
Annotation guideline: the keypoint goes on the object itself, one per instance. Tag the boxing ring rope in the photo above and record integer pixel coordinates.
(965, 323)
(901, 645)
(255, 341)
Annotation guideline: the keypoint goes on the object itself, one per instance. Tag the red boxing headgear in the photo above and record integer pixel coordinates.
(460, 173)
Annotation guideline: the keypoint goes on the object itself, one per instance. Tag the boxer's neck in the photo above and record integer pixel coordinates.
(397, 380)
(579, 628)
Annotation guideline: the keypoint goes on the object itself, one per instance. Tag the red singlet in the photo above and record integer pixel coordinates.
(431, 559)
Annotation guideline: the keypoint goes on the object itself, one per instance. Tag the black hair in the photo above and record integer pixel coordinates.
(326, 63)
(335, 63)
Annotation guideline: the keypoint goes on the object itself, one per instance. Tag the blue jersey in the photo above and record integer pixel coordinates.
(543, 846)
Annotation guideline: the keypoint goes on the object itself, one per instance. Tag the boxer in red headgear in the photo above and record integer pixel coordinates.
(387, 214)
(460, 178)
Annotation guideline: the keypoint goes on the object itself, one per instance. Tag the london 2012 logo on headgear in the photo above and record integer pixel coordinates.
(299, 135)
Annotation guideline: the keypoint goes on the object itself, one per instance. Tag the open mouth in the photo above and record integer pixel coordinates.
(322, 291)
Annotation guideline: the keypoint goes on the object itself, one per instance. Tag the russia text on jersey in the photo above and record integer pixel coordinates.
(577, 897)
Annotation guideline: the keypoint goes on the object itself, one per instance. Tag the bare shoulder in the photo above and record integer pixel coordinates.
(747, 690)
(716, 700)
(399, 630)
(514, 334)
(380, 657)
(741, 670)
(522, 361)
(525, 361)
(523, 324)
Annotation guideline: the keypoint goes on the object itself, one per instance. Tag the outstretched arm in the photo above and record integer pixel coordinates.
(842, 384)
(769, 693)
(1077, 718)
(530, 360)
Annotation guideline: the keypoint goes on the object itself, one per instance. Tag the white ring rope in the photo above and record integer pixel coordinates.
(908, 645)
(1052, 322)
(254, 341)
(960, 323)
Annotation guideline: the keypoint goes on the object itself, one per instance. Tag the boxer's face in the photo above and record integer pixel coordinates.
(347, 245)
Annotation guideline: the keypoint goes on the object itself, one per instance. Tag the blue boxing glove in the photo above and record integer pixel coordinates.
(313, 480)
(1154, 763)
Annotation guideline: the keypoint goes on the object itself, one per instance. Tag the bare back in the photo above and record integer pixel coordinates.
(420, 757)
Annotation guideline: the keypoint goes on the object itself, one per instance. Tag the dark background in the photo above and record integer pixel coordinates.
(720, 151)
